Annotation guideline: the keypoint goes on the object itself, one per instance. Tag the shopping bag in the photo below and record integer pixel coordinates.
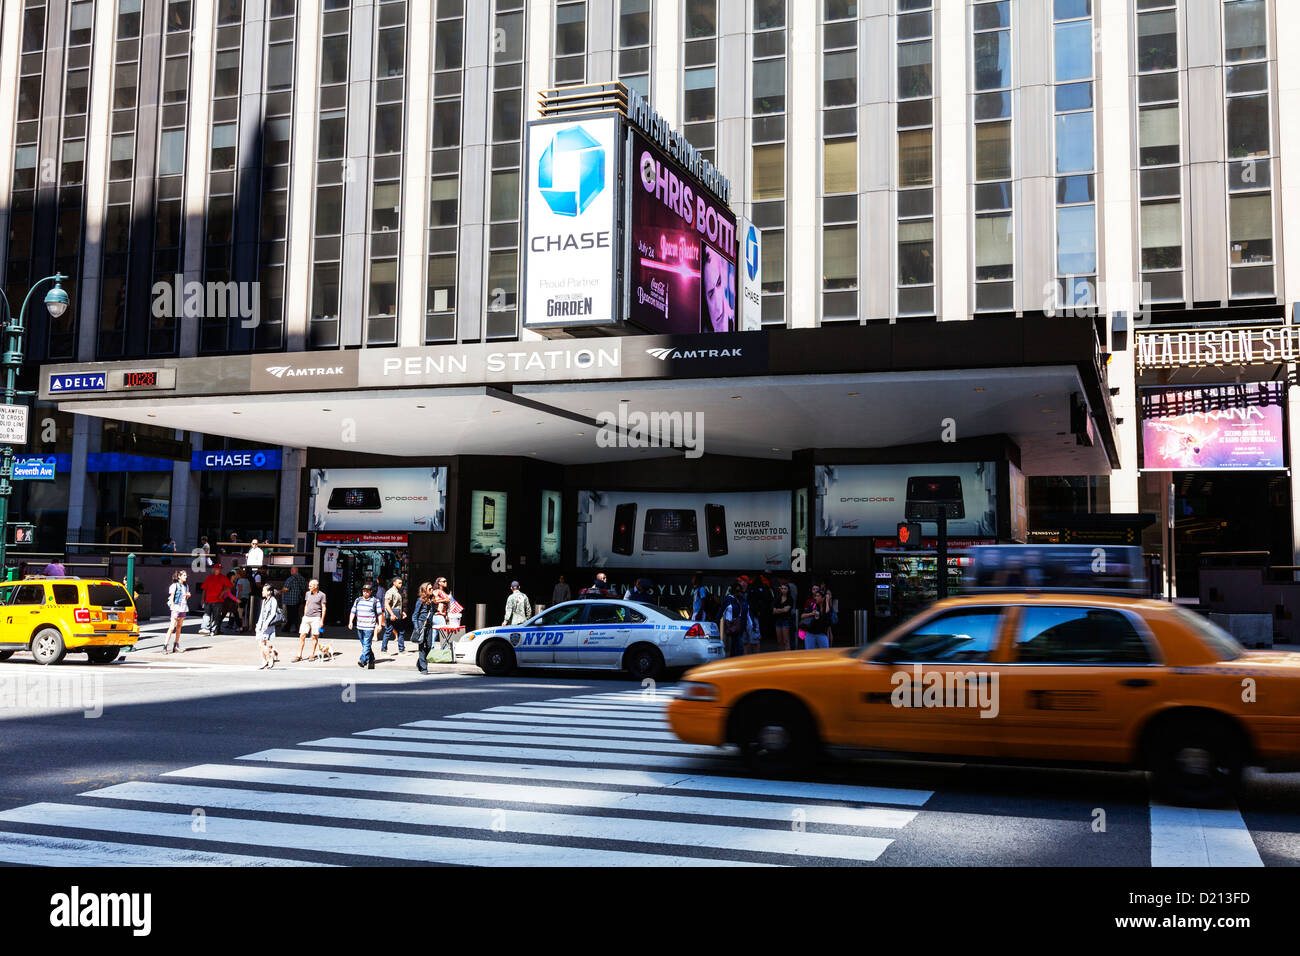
(439, 654)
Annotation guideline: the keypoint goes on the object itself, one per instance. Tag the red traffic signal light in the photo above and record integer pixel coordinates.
(909, 534)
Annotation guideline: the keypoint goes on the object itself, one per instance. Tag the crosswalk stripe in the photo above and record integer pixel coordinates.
(518, 753)
(30, 849)
(627, 829)
(636, 712)
(526, 728)
(491, 791)
(607, 705)
(534, 718)
(1185, 836)
(598, 775)
(465, 737)
(351, 841)
(591, 716)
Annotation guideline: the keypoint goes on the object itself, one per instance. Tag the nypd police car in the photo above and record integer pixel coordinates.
(639, 638)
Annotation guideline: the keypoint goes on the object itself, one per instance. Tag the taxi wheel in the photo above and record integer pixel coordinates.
(5, 655)
(48, 647)
(776, 736)
(644, 662)
(1196, 761)
(103, 655)
(497, 659)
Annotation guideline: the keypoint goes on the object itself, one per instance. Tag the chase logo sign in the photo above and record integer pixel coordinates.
(751, 252)
(83, 382)
(571, 172)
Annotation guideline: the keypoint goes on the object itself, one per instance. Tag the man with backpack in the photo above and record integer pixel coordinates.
(518, 607)
(365, 618)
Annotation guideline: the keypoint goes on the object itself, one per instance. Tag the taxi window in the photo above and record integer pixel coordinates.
(559, 616)
(962, 635)
(107, 595)
(614, 614)
(1078, 635)
(1223, 644)
(65, 594)
(28, 594)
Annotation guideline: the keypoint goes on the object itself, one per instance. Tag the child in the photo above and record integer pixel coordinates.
(267, 621)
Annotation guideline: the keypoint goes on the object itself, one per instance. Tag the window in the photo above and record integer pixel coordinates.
(66, 594)
(560, 616)
(954, 637)
(1249, 145)
(699, 76)
(1076, 229)
(1078, 635)
(28, 594)
(1159, 129)
(634, 45)
(570, 63)
(613, 614)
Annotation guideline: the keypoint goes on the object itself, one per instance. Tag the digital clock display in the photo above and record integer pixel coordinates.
(140, 379)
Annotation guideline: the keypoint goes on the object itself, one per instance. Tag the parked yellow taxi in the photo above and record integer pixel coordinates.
(51, 617)
(1098, 679)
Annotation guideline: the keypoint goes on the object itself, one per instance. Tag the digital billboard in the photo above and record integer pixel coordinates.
(570, 265)
(1249, 437)
(487, 522)
(378, 499)
(862, 500)
(552, 521)
(682, 270)
(630, 529)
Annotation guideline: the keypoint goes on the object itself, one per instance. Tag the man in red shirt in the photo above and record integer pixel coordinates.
(214, 585)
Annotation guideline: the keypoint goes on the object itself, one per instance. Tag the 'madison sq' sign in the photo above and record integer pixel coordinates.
(261, 459)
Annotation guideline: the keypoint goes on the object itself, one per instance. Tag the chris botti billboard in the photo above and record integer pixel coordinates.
(569, 256)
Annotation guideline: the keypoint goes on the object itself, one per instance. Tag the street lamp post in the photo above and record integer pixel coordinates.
(56, 302)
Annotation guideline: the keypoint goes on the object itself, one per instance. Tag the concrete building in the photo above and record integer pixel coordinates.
(908, 163)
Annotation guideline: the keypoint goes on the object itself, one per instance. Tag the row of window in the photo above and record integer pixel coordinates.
(1159, 136)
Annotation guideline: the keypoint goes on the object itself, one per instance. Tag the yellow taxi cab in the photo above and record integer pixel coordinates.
(1059, 676)
(51, 617)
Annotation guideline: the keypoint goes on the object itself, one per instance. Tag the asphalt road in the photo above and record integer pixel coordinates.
(164, 761)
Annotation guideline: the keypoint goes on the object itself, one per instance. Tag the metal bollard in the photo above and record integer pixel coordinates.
(480, 616)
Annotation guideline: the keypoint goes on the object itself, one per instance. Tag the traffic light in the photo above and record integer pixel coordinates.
(23, 534)
(909, 534)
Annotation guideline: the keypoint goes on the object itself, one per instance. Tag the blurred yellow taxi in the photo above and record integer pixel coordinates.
(51, 617)
(1098, 679)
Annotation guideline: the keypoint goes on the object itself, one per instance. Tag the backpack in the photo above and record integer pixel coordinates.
(278, 616)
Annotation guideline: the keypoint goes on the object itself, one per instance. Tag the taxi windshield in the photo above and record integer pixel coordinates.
(1223, 644)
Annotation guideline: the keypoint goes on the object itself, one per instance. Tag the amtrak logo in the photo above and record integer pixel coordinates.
(571, 172)
(664, 355)
(751, 252)
(280, 371)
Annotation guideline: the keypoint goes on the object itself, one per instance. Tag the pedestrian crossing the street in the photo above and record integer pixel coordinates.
(588, 780)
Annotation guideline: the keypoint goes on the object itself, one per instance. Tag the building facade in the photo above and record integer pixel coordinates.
(248, 177)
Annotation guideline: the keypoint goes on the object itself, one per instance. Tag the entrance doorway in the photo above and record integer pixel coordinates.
(342, 585)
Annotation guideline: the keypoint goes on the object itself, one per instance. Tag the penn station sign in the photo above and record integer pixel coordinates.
(1198, 348)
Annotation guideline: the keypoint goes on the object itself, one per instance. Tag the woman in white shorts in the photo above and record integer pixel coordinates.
(267, 621)
(178, 603)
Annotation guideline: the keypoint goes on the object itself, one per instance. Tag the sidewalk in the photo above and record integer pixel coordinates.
(236, 649)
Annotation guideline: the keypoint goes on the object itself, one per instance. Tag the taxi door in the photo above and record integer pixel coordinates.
(1078, 679)
(933, 690)
(25, 611)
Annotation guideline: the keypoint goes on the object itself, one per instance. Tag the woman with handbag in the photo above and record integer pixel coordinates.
(422, 626)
